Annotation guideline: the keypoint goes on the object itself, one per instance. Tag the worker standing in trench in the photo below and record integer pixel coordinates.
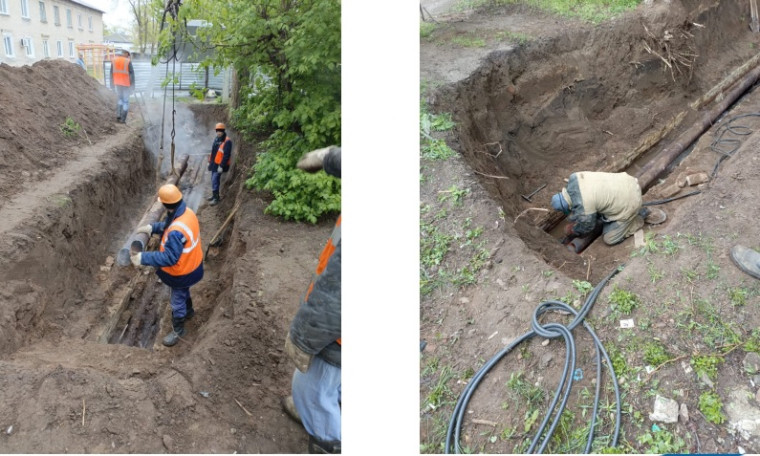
(313, 342)
(610, 201)
(179, 260)
(219, 161)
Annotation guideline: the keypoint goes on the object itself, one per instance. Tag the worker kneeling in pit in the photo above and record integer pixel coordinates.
(610, 199)
(179, 260)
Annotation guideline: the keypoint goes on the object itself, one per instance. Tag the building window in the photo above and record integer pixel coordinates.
(59, 45)
(29, 47)
(8, 44)
(71, 49)
(56, 15)
(89, 22)
(45, 48)
(43, 13)
(25, 9)
(3, 6)
(68, 18)
(79, 22)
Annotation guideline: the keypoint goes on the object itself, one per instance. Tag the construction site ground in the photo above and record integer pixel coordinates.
(533, 98)
(74, 184)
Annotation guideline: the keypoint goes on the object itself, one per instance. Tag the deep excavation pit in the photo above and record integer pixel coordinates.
(598, 99)
(81, 366)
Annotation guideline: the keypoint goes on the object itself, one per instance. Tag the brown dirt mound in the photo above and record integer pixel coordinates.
(37, 100)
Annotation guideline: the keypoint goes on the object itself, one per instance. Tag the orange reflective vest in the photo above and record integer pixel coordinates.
(219, 152)
(192, 252)
(324, 257)
(121, 71)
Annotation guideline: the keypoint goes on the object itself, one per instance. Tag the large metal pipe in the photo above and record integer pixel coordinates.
(665, 157)
(138, 241)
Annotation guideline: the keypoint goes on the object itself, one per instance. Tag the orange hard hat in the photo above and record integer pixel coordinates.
(220, 126)
(169, 194)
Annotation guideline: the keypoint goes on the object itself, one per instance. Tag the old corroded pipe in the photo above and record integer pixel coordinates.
(665, 157)
(138, 241)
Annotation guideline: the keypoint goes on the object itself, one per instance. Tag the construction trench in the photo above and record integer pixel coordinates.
(667, 93)
(590, 101)
(82, 367)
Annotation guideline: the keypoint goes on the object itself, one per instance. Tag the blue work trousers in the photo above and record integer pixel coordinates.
(216, 179)
(178, 301)
(317, 397)
(123, 104)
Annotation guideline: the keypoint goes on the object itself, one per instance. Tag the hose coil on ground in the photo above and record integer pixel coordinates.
(550, 331)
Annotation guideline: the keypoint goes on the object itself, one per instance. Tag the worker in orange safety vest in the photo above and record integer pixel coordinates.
(179, 260)
(123, 79)
(219, 161)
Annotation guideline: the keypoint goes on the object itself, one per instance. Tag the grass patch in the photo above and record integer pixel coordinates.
(70, 128)
(711, 407)
(661, 442)
(468, 41)
(427, 29)
(706, 365)
(655, 354)
(623, 301)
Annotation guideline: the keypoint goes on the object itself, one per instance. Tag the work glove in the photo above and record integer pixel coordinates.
(136, 259)
(569, 229)
(147, 229)
(300, 358)
(311, 162)
(219, 169)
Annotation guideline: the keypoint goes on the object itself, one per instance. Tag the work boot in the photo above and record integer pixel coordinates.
(124, 116)
(214, 199)
(655, 216)
(190, 311)
(747, 259)
(317, 446)
(118, 113)
(290, 408)
(178, 330)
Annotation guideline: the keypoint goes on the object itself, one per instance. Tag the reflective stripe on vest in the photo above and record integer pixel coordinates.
(324, 257)
(192, 252)
(220, 152)
(121, 71)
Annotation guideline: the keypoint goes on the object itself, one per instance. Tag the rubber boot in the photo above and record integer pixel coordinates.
(747, 260)
(124, 116)
(118, 113)
(290, 408)
(317, 446)
(190, 311)
(178, 330)
(214, 199)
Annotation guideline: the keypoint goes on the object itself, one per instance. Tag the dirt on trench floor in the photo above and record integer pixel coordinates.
(74, 184)
(534, 98)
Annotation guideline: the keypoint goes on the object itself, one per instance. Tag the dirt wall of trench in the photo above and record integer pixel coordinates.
(51, 261)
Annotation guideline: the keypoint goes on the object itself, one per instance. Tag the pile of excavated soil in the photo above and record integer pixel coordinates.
(61, 388)
(37, 101)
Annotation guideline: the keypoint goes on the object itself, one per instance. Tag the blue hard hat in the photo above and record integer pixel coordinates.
(559, 203)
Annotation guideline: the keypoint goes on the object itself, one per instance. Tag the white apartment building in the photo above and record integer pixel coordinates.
(33, 30)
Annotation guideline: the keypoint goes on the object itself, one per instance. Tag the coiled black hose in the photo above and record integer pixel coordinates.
(726, 147)
(549, 330)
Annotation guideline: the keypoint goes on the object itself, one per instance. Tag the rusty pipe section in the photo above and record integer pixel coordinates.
(138, 241)
(665, 157)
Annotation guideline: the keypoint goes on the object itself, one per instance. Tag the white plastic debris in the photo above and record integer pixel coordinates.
(627, 323)
(9, 430)
(204, 394)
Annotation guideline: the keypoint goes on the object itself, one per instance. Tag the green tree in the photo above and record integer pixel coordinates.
(286, 55)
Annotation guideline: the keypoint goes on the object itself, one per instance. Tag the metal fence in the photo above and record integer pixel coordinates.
(148, 78)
